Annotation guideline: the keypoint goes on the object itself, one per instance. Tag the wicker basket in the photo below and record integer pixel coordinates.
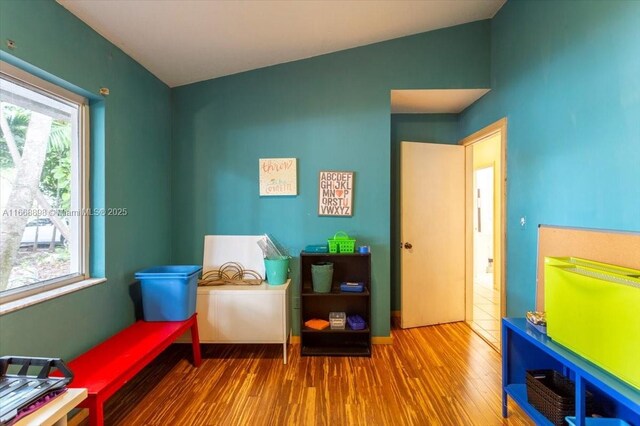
(553, 395)
(341, 243)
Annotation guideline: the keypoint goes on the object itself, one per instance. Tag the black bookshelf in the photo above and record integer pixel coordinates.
(354, 267)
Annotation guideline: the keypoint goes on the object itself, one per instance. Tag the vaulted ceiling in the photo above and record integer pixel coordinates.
(185, 41)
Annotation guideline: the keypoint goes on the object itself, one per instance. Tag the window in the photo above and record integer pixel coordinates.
(43, 185)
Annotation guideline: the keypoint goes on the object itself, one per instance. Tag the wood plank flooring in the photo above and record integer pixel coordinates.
(440, 375)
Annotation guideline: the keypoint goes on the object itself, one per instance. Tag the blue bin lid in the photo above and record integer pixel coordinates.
(169, 271)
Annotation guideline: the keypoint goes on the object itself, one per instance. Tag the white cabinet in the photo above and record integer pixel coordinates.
(244, 314)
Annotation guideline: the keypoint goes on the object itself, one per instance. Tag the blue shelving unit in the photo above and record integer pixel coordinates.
(525, 348)
(518, 392)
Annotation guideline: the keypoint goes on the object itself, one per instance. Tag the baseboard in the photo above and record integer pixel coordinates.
(395, 314)
(382, 340)
(295, 340)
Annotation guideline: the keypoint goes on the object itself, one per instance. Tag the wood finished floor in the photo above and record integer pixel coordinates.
(440, 375)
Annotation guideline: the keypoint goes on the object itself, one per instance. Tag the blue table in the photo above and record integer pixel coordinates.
(525, 348)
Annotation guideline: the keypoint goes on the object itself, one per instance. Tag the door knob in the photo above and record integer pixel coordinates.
(408, 245)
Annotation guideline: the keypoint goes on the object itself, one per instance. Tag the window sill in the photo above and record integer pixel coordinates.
(16, 305)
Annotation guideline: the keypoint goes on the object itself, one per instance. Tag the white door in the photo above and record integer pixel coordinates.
(433, 234)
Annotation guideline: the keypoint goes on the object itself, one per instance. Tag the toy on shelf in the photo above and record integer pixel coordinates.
(317, 324)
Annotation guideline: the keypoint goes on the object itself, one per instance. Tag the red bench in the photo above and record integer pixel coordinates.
(108, 366)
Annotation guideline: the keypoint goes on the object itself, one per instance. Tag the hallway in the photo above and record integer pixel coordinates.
(486, 310)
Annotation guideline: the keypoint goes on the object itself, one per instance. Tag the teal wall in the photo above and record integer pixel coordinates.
(571, 93)
(432, 128)
(331, 112)
(566, 74)
(130, 168)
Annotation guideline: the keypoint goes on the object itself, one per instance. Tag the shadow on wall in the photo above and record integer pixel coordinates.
(135, 293)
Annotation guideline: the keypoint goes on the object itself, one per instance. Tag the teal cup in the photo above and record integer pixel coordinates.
(321, 277)
(277, 270)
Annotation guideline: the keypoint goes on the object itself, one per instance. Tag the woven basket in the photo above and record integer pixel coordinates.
(341, 243)
(553, 395)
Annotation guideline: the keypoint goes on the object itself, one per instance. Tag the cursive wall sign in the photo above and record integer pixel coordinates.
(278, 176)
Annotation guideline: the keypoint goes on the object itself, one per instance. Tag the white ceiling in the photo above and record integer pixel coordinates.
(184, 41)
(434, 101)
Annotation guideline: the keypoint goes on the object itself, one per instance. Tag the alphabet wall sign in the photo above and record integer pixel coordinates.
(335, 193)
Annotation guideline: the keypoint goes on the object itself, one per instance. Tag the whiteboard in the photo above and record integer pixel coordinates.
(615, 247)
(242, 249)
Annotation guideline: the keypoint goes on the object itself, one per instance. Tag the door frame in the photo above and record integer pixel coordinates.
(490, 130)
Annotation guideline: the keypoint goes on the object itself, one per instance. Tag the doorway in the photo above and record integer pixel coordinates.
(442, 219)
(485, 265)
(485, 318)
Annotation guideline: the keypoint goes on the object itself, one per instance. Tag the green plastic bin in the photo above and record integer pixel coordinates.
(341, 243)
(592, 308)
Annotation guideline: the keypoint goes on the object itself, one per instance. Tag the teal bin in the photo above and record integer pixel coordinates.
(321, 277)
(277, 270)
(597, 421)
(169, 292)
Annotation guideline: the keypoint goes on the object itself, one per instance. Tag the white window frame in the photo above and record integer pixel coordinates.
(30, 294)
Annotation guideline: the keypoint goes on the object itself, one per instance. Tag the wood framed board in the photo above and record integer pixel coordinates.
(615, 247)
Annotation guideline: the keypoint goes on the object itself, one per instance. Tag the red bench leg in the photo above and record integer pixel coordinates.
(96, 414)
(195, 343)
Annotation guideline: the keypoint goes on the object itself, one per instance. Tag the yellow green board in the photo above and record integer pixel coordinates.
(593, 309)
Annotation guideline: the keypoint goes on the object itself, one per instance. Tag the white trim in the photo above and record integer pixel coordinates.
(85, 199)
(24, 302)
(27, 295)
(16, 73)
(11, 294)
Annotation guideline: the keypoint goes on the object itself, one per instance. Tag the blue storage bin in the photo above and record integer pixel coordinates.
(352, 287)
(316, 248)
(169, 292)
(598, 421)
(356, 322)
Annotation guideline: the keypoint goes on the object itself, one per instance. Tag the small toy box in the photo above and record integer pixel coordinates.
(352, 287)
(316, 248)
(337, 320)
(356, 322)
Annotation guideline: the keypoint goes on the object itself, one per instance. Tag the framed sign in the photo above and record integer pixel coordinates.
(335, 194)
(278, 176)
